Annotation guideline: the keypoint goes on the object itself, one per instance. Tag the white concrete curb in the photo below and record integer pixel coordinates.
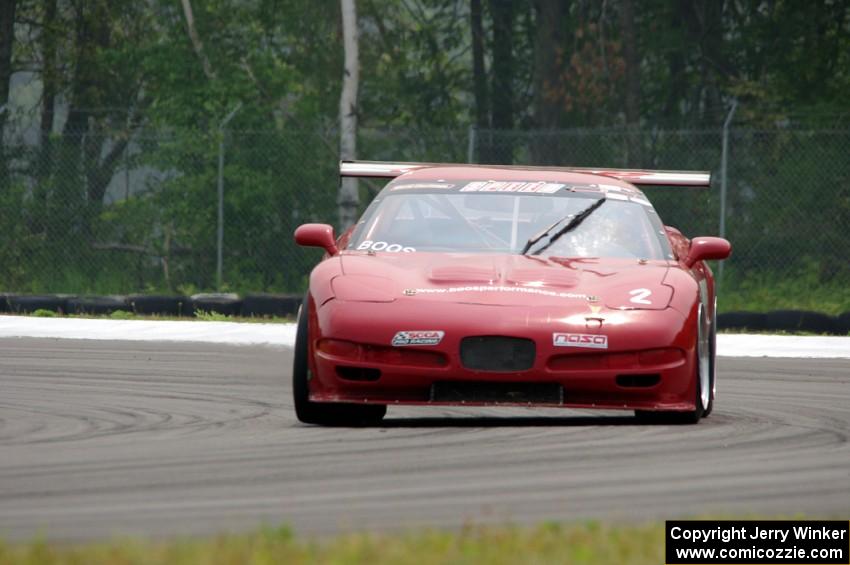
(283, 335)
(759, 345)
(233, 333)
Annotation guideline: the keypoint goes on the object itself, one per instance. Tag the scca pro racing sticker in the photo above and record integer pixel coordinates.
(580, 340)
(369, 245)
(418, 337)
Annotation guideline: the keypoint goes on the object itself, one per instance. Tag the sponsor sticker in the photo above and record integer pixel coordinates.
(580, 340)
(615, 188)
(612, 192)
(418, 337)
(422, 185)
(512, 186)
(369, 245)
(576, 187)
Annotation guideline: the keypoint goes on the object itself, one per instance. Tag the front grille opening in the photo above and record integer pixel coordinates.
(497, 353)
(358, 373)
(505, 393)
(638, 381)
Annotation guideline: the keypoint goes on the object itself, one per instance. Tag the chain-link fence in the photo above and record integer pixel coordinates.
(110, 214)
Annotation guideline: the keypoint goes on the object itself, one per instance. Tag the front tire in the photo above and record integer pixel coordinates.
(323, 414)
(703, 382)
(712, 363)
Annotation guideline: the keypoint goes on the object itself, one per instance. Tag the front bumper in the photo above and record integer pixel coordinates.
(648, 363)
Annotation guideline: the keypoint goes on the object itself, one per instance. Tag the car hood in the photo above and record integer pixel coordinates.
(503, 280)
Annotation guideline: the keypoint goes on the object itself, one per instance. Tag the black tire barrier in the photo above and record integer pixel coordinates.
(162, 305)
(29, 303)
(98, 304)
(799, 320)
(270, 305)
(281, 305)
(226, 304)
(741, 321)
(842, 324)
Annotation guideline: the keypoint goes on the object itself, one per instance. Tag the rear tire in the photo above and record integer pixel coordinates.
(319, 413)
(702, 350)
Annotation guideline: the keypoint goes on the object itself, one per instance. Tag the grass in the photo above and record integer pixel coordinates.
(213, 316)
(800, 291)
(42, 313)
(776, 332)
(117, 315)
(578, 543)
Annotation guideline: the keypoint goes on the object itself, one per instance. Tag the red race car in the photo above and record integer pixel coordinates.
(490, 285)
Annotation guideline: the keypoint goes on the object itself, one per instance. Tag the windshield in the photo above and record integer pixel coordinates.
(504, 223)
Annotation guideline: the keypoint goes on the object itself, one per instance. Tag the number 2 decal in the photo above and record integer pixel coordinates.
(640, 295)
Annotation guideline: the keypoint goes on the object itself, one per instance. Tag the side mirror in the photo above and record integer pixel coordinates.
(703, 248)
(317, 235)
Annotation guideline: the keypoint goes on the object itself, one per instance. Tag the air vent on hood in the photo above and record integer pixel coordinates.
(463, 273)
(545, 277)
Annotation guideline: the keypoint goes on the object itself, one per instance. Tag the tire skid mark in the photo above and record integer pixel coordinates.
(100, 438)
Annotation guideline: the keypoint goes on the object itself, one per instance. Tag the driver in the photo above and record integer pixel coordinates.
(612, 231)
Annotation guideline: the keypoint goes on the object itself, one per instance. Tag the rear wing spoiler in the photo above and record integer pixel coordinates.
(382, 169)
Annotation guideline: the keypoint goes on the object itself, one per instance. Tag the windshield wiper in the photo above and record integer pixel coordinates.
(571, 225)
(540, 235)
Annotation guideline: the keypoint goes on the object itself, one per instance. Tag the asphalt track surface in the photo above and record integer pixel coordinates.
(101, 438)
